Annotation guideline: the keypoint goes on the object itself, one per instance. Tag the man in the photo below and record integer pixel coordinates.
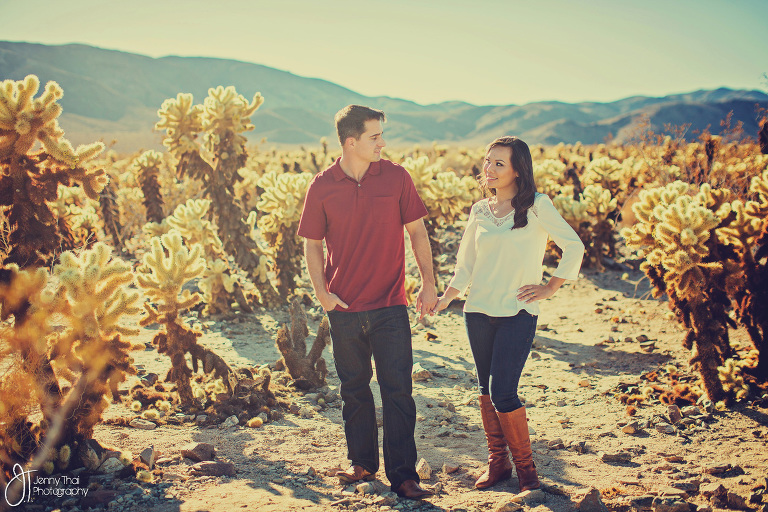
(359, 206)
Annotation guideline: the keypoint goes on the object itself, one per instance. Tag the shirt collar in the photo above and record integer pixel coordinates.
(338, 174)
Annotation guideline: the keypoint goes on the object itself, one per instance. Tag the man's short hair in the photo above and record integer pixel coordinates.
(350, 121)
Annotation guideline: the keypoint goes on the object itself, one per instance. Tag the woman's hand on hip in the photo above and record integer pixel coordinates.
(533, 292)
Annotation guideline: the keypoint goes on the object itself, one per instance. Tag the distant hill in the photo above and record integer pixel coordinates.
(113, 95)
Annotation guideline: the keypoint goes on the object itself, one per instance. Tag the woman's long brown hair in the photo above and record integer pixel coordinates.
(522, 163)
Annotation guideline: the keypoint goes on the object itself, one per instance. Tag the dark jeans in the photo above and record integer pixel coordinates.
(500, 346)
(386, 334)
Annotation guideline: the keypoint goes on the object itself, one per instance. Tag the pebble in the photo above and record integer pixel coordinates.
(147, 456)
(142, 424)
(673, 492)
(689, 410)
(641, 502)
(689, 487)
(530, 497)
(621, 457)
(449, 468)
(507, 506)
(632, 428)
(420, 374)
(111, 465)
(665, 428)
(230, 422)
(670, 505)
(556, 444)
(591, 502)
(423, 469)
(712, 489)
(578, 446)
(715, 469)
(211, 468)
(736, 501)
(198, 452)
(366, 488)
(675, 415)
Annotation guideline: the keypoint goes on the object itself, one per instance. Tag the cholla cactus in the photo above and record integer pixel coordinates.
(281, 204)
(446, 196)
(308, 370)
(549, 176)
(215, 160)
(731, 376)
(89, 295)
(574, 212)
(29, 181)
(610, 174)
(220, 283)
(110, 212)
(164, 272)
(189, 220)
(147, 169)
(93, 292)
(748, 234)
(676, 235)
(590, 214)
(282, 200)
(421, 170)
(182, 122)
(218, 286)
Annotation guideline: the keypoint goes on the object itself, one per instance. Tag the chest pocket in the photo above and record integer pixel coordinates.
(385, 210)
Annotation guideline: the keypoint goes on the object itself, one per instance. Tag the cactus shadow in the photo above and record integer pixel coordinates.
(753, 414)
(593, 360)
(280, 479)
(635, 286)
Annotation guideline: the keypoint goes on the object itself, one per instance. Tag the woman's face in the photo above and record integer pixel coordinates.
(497, 168)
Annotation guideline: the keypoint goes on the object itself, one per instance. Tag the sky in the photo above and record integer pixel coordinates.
(486, 52)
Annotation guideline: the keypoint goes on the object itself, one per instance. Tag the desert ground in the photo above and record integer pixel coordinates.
(590, 454)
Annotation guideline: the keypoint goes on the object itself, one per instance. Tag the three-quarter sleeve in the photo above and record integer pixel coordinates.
(564, 236)
(465, 258)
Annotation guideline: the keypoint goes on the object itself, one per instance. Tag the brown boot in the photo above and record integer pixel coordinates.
(499, 467)
(515, 427)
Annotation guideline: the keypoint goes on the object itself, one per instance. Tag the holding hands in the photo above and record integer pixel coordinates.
(426, 300)
(442, 303)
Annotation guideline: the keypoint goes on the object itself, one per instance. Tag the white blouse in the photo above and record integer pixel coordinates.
(496, 260)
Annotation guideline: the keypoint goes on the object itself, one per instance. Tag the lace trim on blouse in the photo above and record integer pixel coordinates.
(485, 209)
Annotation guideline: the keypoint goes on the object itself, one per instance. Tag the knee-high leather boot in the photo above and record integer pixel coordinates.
(499, 467)
(515, 427)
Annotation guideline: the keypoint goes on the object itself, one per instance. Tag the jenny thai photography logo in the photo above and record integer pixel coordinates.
(33, 486)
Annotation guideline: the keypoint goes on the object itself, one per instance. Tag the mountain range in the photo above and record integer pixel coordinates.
(114, 96)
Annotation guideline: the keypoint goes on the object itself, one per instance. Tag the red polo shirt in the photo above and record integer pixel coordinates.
(362, 224)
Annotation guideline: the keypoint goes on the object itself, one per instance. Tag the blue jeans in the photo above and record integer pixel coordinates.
(386, 334)
(500, 347)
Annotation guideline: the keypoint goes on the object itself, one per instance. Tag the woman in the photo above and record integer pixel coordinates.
(500, 256)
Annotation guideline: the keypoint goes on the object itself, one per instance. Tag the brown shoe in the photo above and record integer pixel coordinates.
(354, 474)
(410, 489)
(499, 467)
(515, 427)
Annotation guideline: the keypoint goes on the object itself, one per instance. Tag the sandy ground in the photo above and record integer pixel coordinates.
(568, 384)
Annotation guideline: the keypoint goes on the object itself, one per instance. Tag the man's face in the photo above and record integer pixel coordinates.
(368, 146)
